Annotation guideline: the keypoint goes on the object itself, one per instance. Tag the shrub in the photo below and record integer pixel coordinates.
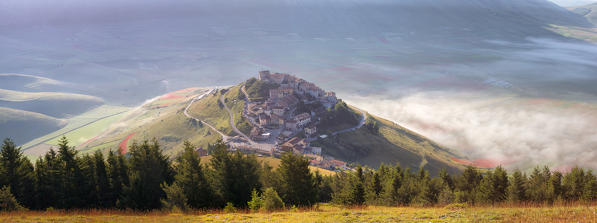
(229, 208)
(271, 200)
(256, 201)
(7, 201)
(175, 198)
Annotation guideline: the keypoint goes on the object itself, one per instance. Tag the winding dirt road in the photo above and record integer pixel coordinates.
(232, 121)
(186, 113)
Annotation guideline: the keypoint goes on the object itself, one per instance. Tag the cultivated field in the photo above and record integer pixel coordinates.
(327, 213)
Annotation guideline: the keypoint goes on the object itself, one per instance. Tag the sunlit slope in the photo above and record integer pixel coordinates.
(171, 127)
(161, 118)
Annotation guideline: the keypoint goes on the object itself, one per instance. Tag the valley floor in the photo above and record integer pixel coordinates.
(327, 213)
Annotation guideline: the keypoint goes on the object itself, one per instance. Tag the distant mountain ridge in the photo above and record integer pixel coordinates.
(588, 11)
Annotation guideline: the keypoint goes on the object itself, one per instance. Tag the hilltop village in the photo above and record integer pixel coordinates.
(288, 117)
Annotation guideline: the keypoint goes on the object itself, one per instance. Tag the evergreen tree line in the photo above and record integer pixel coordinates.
(146, 179)
(395, 186)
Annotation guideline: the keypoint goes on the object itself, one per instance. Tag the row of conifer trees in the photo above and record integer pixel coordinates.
(146, 179)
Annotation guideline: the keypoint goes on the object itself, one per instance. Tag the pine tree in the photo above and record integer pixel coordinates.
(500, 185)
(537, 185)
(175, 197)
(102, 183)
(376, 184)
(191, 179)
(235, 175)
(48, 180)
(574, 183)
(149, 170)
(89, 188)
(256, 201)
(271, 200)
(393, 195)
(71, 178)
(554, 187)
(7, 201)
(447, 180)
(517, 189)
(115, 181)
(467, 184)
(484, 194)
(590, 187)
(299, 186)
(17, 172)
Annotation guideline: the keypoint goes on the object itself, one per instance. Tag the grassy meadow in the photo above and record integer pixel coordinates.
(328, 213)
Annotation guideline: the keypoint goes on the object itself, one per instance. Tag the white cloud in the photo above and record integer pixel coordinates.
(573, 2)
(515, 131)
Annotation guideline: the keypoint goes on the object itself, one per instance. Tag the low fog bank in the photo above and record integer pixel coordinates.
(515, 131)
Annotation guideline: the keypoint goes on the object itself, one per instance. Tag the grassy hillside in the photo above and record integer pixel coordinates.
(94, 118)
(163, 119)
(213, 112)
(54, 104)
(275, 163)
(234, 99)
(389, 144)
(23, 126)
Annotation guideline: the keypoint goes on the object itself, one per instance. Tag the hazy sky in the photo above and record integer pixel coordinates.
(573, 2)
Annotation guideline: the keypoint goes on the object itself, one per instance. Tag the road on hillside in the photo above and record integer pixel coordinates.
(265, 147)
(242, 88)
(186, 113)
(232, 121)
(361, 123)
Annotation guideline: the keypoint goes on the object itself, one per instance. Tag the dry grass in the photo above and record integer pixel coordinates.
(328, 213)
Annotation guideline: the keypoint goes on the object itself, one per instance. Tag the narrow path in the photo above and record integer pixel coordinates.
(186, 113)
(361, 123)
(247, 98)
(232, 120)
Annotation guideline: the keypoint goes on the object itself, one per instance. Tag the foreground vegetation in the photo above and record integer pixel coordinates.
(147, 180)
(327, 213)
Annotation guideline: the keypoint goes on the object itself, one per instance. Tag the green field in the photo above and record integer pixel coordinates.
(326, 213)
(210, 110)
(87, 132)
(82, 127)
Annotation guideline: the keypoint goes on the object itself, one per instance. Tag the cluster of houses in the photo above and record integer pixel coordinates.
(279, 111)
(283, 119)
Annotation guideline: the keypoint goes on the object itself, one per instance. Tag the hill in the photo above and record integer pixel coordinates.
(22, 126)
(343, 132)
(588, 11)
(54, 104)
(26, 82)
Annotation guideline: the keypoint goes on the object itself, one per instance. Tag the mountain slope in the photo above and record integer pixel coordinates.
(54, 104)
(390, 144)
(588, 11)
(22, 126)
